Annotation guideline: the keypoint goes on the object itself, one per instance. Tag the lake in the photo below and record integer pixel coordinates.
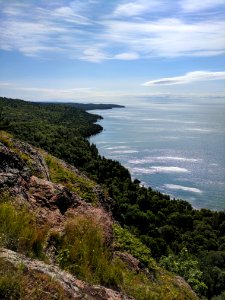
(176, 146)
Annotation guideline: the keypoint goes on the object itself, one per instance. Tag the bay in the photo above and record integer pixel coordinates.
(177, 147)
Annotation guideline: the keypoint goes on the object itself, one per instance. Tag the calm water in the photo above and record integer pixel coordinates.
(177, 148)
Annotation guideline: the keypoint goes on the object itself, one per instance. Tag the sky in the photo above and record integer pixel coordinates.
(111, 50)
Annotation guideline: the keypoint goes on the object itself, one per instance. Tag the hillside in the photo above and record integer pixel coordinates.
(188, 242)
(47, 227)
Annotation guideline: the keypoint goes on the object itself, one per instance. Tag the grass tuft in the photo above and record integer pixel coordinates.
(6, 138)
(19, 230)
(83, 252)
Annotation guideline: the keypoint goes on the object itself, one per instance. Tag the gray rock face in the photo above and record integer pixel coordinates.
(13, 172)
(76, 288)
(36, 161)
(11, 163)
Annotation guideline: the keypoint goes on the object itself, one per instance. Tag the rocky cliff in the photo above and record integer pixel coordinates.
(57, 195)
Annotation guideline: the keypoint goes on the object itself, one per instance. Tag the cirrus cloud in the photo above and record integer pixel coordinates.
(135, 8)
(199, 5)
(97, 31)
(187, 78)
(127, 56)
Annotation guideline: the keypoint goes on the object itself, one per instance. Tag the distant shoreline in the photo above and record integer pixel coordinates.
(86, 106)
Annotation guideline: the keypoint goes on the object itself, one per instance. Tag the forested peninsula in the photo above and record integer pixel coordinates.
(149, 225)
(87, 106)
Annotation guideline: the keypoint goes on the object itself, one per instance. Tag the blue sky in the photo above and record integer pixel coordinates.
(98, 50)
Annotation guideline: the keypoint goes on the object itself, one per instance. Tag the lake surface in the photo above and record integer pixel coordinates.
(174, 146)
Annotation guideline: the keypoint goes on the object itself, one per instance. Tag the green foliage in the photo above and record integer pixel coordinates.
(219, 297)
(125, 241)
(19, 231)
(213, 265)
(163, 287)
(75, 182)
(184, 265)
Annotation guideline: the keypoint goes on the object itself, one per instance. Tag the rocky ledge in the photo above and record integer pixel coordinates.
(75, 288)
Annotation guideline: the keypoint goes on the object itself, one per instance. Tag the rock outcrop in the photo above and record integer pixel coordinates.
(76, 288)
(24, 174)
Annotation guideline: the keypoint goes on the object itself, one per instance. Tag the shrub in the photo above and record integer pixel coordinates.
(126, 241)
(187, 267)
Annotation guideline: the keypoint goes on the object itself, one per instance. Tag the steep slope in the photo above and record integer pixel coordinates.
(51, 211)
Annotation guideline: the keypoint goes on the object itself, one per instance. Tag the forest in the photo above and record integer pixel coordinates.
(188, 242)
(88, 106)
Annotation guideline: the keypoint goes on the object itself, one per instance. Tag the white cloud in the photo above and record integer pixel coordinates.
(127, 56)
(69, 15)
(187, 78)
(167, 37)
(131, 31)
(5, 84)
(61, 30)
(135, 8)
(199, 5)
(94, 54)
